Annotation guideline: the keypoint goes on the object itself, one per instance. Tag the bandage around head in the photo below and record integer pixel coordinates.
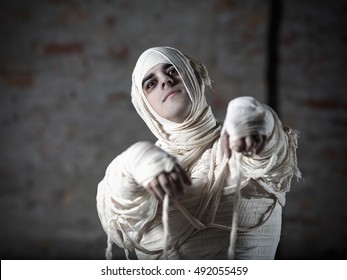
(194, 77)
(147, 61)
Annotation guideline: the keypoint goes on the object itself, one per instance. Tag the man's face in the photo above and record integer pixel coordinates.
(166, 93)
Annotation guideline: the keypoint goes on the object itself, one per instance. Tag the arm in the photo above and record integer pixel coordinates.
(124, 202)
(155, 170)
(247, 126)
(269, 150)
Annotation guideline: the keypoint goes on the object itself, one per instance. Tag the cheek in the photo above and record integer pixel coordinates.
(153, 101)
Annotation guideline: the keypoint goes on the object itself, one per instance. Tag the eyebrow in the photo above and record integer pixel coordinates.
(151, 75)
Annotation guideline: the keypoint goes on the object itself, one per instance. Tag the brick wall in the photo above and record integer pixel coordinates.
(65, 113)
(314, 101)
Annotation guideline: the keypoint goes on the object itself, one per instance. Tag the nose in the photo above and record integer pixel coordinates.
(166, 80)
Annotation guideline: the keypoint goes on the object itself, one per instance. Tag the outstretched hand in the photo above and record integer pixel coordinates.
(248, 145)
(172, 183)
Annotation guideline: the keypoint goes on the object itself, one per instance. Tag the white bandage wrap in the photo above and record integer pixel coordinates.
(199, 225)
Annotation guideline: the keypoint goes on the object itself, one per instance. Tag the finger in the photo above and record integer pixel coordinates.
(249, 144)
(164, 184)
(154, 189)
(158, 187)
(150, 190)
(225, 145)
(261, 144)
(183, 174)
(176, 186)
(240, 145)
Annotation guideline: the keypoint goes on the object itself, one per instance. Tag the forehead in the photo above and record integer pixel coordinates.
(158, 68)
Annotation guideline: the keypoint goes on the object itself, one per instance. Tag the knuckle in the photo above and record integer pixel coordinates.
(174, 176)
(166, 183)
(154, 183)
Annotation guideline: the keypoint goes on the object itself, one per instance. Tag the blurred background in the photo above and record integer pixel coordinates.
(65, 109)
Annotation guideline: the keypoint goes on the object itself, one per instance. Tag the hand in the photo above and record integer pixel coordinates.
(246, 145)
(171, 183)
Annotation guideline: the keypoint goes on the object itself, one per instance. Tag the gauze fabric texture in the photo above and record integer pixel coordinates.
(202, 224)
(200, 127)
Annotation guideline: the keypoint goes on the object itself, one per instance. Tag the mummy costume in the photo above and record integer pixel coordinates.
(233, 209)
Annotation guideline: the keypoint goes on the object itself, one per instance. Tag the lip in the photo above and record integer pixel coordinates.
(168, 94)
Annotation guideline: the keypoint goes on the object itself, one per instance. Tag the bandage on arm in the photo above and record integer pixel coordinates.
(123, 204)
(277, 163)
(245, 117)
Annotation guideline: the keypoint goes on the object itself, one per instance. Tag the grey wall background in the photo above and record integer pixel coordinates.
(65, 76)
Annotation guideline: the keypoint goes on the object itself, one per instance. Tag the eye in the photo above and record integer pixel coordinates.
(172, 71)
(150, 84)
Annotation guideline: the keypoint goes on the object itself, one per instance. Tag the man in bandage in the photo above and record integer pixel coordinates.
(205, 189)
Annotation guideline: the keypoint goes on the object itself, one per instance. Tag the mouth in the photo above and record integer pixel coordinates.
(168, 94)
